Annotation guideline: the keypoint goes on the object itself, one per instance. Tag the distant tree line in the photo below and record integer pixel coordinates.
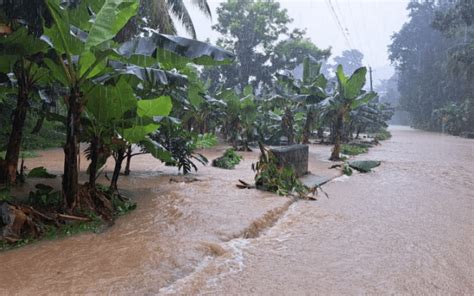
(434, 55)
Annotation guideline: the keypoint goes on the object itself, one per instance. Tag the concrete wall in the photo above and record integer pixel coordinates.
(295, 156)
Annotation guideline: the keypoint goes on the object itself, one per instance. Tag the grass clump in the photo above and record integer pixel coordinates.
(227, 161)
(353, 149)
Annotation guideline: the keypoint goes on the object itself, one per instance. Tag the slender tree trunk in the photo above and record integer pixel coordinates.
(70, 183)
(336, 151)
(94, 160)
(321, 134)
(9, 167)
(307, 127)
(129, 159)
(119, 158)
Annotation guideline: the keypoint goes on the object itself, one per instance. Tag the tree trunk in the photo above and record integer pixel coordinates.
(287, 126)
(129, 159)
(336, 151)
(70, 183)
(321, 134)
(94, 160)
(119, 158)
(9, 167)
(307, 127)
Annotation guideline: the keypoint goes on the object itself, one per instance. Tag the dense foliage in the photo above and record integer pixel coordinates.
(98, 72)
(434, 55)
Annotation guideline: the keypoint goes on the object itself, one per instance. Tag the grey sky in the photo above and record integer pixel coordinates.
(368, 25)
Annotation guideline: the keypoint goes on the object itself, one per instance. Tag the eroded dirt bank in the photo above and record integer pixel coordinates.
(178, 228)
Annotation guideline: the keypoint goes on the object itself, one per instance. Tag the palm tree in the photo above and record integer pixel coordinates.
(159, 15)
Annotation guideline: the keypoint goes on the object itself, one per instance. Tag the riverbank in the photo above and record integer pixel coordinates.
(176, 228)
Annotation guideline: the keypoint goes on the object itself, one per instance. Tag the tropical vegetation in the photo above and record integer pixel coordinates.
(102, 74)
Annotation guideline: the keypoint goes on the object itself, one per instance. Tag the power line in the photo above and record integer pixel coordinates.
(338, 22)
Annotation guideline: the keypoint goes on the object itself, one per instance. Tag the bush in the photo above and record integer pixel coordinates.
(383, 135)
(205, 141)
(45, 196)
(40, 172)
(353, 149)
(228, 161)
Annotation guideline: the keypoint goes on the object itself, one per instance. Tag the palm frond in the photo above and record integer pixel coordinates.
(203, 6)
(179, 10)
(159, 16)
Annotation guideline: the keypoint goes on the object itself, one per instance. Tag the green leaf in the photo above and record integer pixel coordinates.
(108, 103)
(364, 166)
(248, 91)
(157, 107)
(139, 132)
(194, 95)
(363, 99)
(341, 78)
(353, 86)
(156, 150)
(175, 52)
(111, 18)
(7, 62)
(20, 43)
(56, 72)
(59, 36)
(86, 61)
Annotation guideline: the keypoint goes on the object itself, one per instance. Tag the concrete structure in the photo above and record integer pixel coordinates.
(295, 156)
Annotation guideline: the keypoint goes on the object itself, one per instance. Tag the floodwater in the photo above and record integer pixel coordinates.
(406, 228)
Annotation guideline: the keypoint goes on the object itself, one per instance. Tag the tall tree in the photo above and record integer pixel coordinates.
(437, 39)
(350, 60)
(250, 29)
(291, 52)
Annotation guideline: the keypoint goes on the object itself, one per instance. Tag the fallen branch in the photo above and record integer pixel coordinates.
(245, 185)
(73, 218)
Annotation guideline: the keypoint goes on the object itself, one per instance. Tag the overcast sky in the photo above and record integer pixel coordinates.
(368, 25)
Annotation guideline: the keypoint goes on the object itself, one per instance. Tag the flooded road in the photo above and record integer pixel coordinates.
(406, 228)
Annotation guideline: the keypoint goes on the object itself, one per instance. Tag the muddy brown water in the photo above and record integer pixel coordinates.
(406, 228)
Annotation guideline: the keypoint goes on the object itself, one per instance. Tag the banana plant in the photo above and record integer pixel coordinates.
(20, 58)
(307, 91)
(80, 50)
(83, 54)
(347, 96)
(240, 116)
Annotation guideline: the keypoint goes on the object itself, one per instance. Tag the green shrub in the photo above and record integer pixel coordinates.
(206, 141)
(383, 135)
(227, 161)
(353, 149)
(5, 194)
(45, 196)
(40, 172)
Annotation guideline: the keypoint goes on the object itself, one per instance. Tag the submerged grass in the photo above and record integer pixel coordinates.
(354, 149)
